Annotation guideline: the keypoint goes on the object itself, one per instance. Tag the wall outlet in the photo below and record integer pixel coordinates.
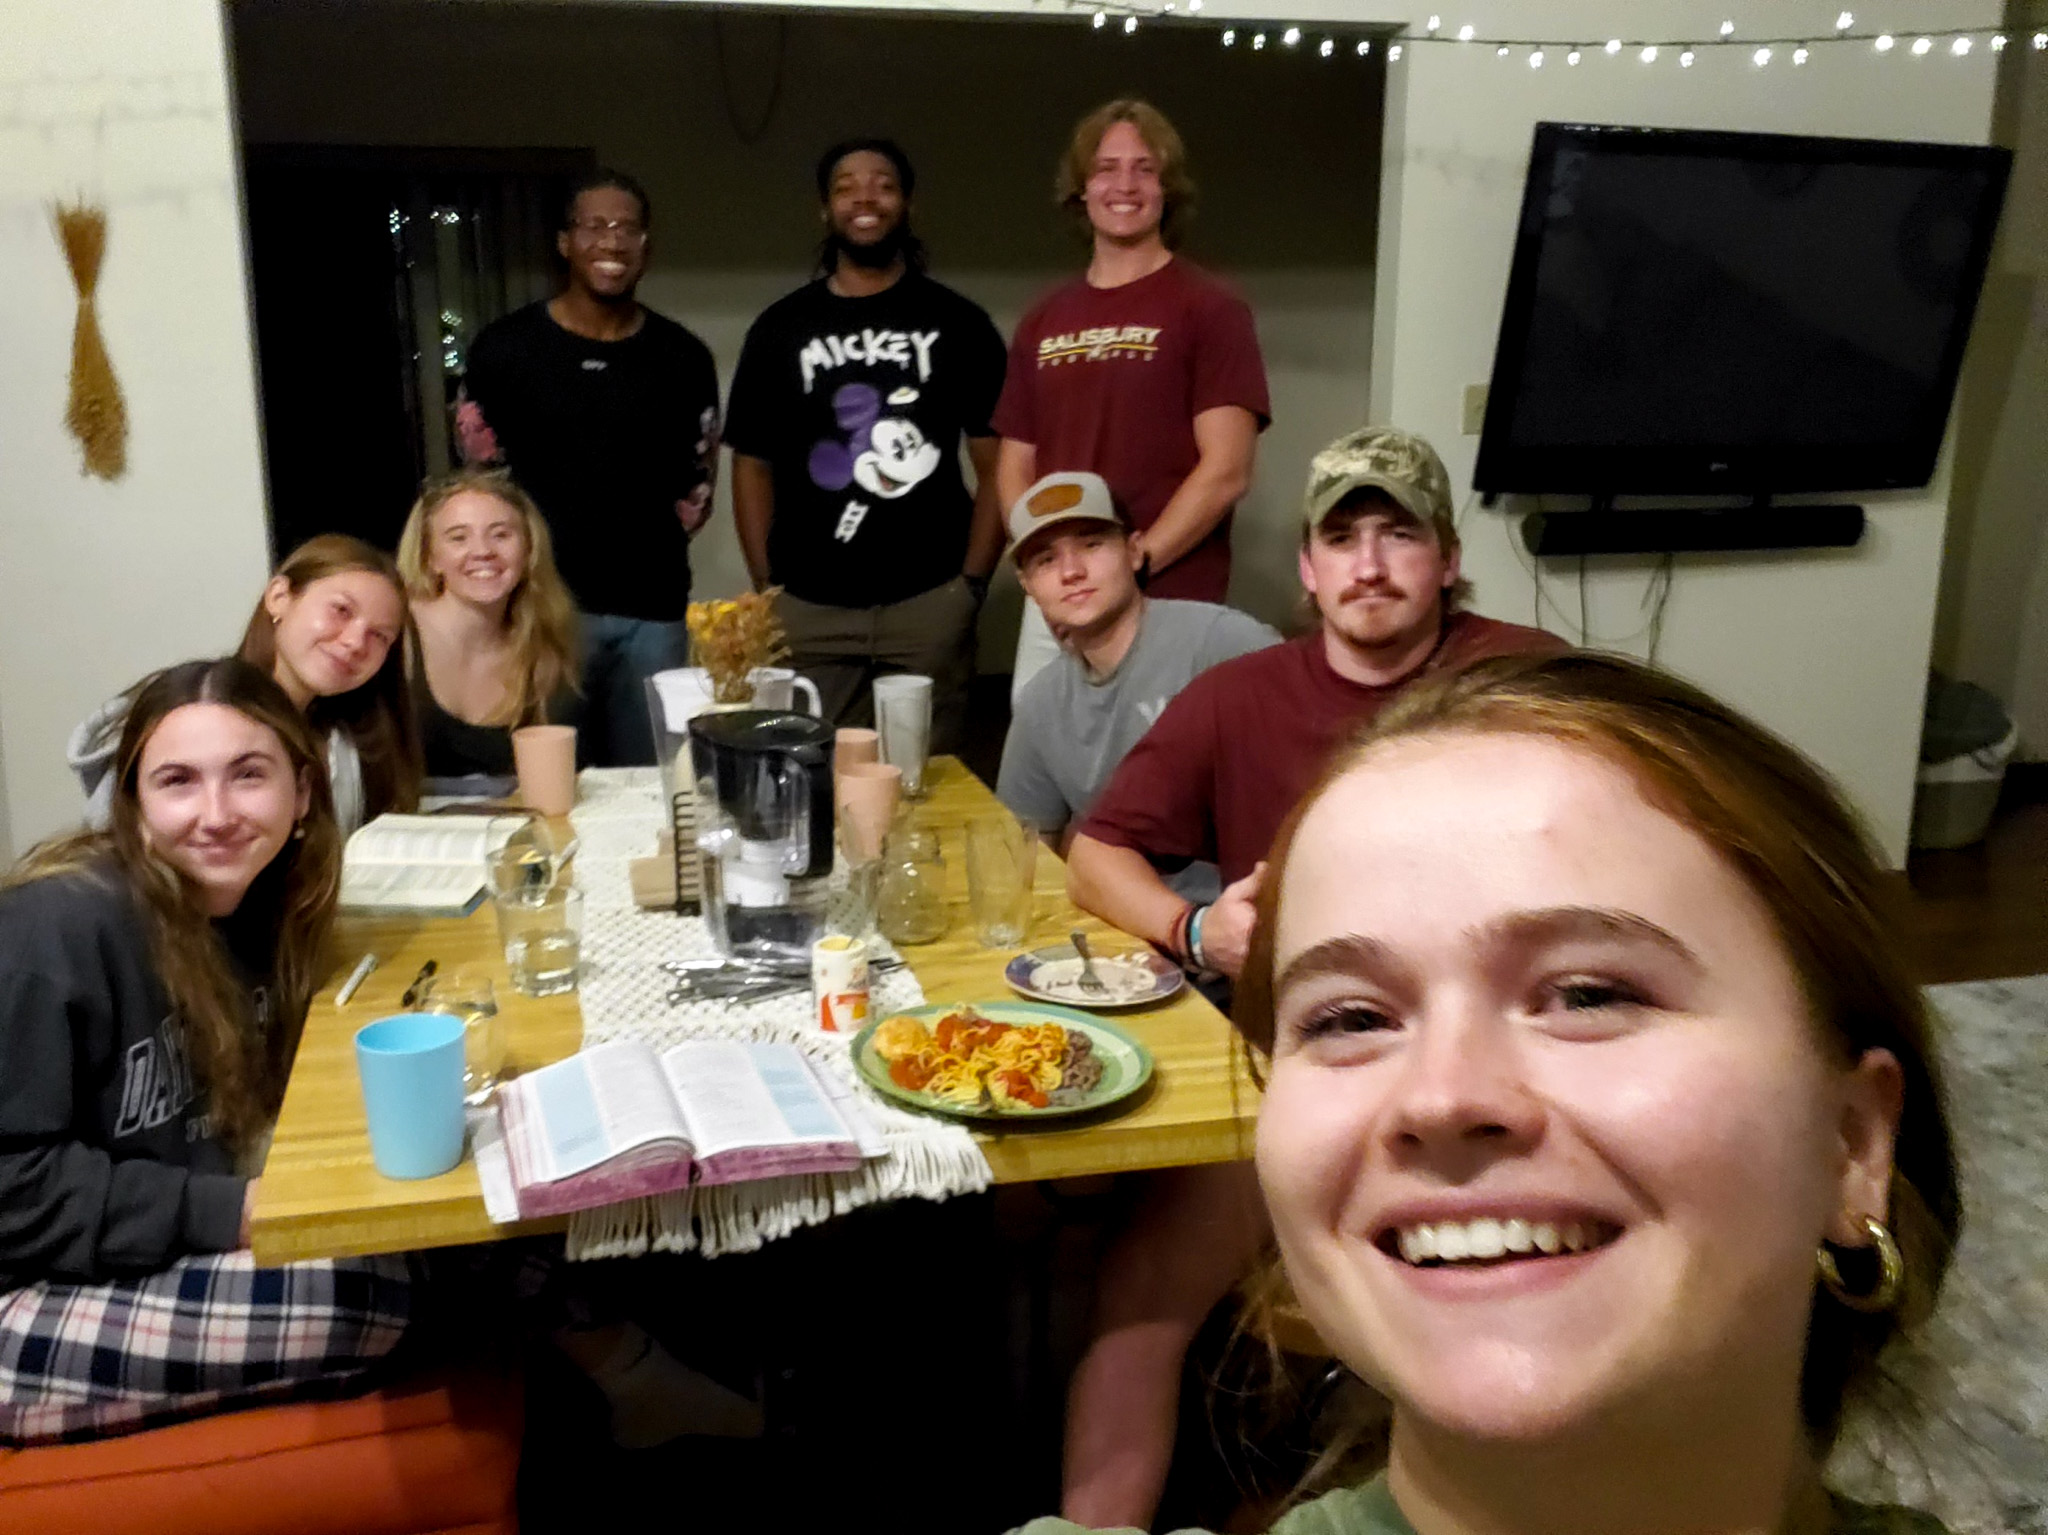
(1475, 409)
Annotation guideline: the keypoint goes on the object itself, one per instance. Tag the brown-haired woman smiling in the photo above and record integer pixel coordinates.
(153, 980)
(1600, 1131)
(331, 629)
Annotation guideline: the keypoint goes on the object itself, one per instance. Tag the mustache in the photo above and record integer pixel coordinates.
(1359, 590)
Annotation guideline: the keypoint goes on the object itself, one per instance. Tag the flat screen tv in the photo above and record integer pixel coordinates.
(1693, 312)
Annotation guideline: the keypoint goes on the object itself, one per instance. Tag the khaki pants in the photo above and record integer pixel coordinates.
(843, 650)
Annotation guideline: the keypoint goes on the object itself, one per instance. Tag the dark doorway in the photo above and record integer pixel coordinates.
(372, 270)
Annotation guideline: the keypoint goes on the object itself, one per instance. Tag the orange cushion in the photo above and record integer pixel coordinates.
(437, 1455)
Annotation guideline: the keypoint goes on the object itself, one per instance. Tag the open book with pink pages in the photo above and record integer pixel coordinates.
(622, 1120)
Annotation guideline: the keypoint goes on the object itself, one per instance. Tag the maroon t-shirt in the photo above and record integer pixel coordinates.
(1242, 742)
(1111, 380)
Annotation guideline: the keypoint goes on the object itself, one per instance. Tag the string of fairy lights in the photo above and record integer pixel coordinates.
(1794, 49)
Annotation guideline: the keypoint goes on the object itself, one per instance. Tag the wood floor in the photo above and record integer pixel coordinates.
(1981, 913)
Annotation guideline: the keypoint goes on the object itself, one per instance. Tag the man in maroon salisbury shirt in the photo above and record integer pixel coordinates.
(1213, 780)
(1145, 370)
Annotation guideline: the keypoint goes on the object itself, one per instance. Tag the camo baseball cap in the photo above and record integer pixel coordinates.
(1063, 497)
(1383, 458)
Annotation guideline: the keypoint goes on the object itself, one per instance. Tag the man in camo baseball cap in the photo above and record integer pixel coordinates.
(1387, 459)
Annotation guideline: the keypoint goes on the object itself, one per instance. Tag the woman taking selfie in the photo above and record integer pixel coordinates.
(1600, 1130)
(154, 976)
(497, 627)
(330, 630)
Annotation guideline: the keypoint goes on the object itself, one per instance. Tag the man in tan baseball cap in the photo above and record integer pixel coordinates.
(1217, 775)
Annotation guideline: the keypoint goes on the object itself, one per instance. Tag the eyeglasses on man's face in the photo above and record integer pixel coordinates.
(631, 231)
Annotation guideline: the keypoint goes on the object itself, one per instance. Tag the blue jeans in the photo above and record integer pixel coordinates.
(619, 655)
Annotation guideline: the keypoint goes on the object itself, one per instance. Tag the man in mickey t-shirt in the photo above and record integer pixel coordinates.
(1145, 370)
(847, 412)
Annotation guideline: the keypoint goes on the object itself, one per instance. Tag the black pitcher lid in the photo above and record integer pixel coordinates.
(760, 730)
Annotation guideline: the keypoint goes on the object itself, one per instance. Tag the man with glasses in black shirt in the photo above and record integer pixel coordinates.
(847, 413)
(607, 414)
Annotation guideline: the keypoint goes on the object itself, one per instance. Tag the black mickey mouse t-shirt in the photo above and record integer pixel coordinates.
(859, 405)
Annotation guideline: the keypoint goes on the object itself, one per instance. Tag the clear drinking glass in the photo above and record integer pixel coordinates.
(911, 905)
(543, 935)
(467, 994)
(858, 879)
(903, 719)
(1001, 853)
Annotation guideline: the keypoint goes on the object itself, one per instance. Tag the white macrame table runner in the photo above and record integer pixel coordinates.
(624, 993)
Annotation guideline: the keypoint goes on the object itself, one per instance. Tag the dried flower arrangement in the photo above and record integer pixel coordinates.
(96, 415)
(732, 636)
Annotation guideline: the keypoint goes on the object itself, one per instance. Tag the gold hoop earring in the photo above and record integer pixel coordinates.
(1891, 1272)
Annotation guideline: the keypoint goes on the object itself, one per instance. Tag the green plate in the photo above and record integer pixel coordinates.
(1126, 1063)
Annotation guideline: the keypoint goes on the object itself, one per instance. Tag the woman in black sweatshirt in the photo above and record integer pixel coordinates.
(153, 980)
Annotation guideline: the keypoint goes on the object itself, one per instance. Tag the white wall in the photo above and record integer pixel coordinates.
(1829, 649)
(1992, 626)
(125, 101)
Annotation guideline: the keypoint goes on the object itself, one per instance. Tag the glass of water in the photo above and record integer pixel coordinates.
(542, 931)
(467, 994)
(1001, 854)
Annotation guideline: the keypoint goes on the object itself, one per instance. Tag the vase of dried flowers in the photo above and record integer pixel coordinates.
(731, 637)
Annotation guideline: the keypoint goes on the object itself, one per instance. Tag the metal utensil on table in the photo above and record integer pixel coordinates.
(744, 980)
(1090, 981)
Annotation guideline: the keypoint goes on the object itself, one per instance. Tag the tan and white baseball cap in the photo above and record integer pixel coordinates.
(1382, 458)
(1069, 496)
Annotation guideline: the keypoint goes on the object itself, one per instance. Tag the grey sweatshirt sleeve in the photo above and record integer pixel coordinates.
(90, 752)
(71, 1211)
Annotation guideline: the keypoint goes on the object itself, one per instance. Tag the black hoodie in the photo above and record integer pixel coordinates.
(108, 1162)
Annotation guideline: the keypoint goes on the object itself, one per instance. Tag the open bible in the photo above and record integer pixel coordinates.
(622, 1120)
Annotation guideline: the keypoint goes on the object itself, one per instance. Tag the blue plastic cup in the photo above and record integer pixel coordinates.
(411, 1067)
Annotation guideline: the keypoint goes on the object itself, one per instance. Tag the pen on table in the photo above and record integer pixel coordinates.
(412, 992)
(356, 977)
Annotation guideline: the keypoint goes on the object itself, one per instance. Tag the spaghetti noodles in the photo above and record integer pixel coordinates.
(973, 1061)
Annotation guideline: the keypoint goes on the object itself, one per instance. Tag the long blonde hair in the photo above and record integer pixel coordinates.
(377, 716)
(242, 1071)
(540, 617)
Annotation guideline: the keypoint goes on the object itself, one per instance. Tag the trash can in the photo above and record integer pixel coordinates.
(1965, 745)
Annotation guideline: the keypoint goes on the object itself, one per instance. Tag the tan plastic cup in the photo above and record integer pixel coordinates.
(545, 757)
(855, 745)
(868, 796)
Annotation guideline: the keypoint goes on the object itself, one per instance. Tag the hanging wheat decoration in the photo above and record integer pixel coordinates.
(96, 414)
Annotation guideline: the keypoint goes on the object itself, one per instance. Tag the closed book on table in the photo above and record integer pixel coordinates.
(423, 865)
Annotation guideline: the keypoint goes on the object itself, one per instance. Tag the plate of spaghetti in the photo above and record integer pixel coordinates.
(1000, 1060)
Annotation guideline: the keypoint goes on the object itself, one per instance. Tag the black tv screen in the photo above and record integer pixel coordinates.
(1701, 312)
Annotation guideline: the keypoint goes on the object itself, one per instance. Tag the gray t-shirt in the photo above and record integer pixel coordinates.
(1068, 731)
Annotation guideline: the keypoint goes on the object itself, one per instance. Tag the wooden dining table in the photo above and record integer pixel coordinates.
(320, 1195)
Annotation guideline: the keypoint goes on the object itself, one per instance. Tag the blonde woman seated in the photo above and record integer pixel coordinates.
(497, 629)
(1600, 1130)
